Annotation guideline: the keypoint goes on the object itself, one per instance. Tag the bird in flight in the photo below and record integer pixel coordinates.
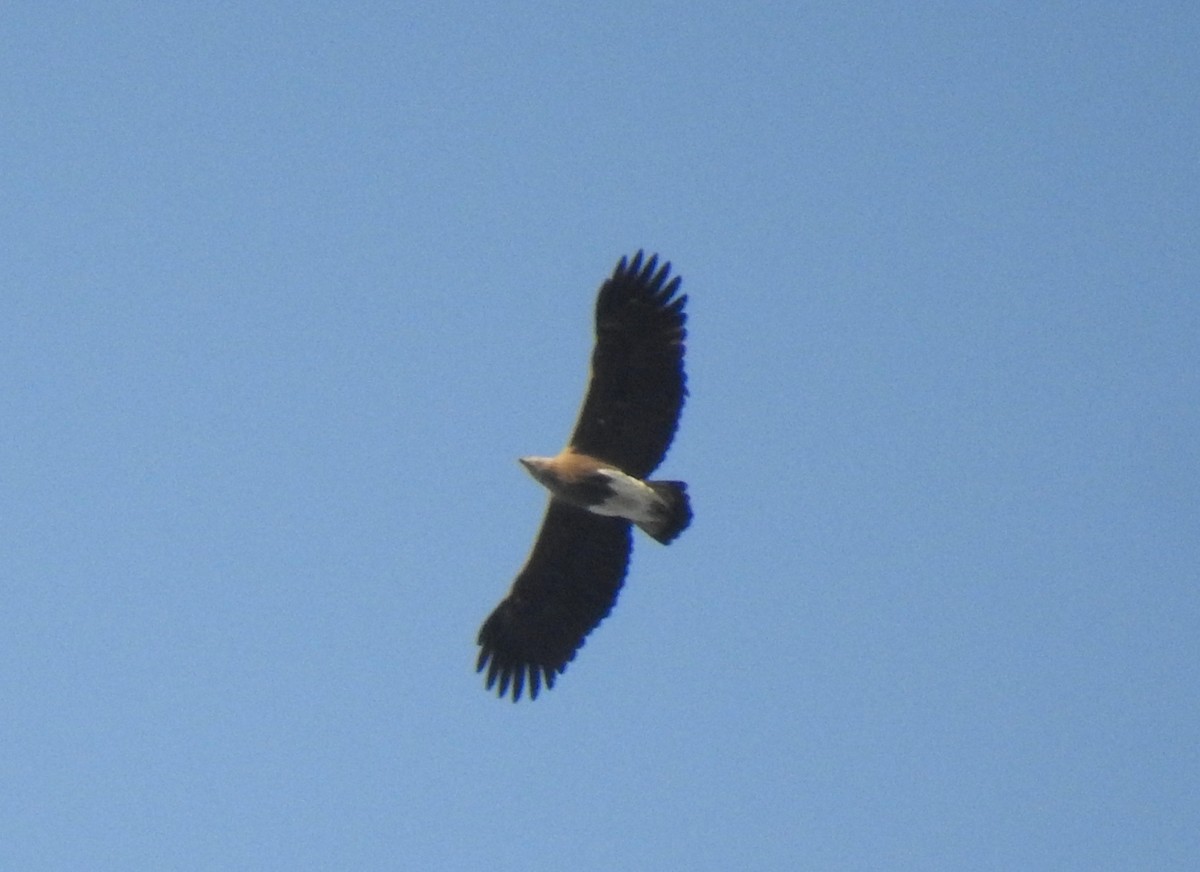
(598, 484)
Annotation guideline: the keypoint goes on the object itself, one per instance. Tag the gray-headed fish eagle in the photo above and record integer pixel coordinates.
(598, 484)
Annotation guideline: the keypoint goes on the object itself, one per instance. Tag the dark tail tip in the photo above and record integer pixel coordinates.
(676, 513)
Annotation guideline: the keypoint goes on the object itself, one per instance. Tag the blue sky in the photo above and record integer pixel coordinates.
(287, 288)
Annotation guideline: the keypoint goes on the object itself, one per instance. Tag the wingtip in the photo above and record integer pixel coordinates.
(513, 679)
(629, 264)
(640, 265)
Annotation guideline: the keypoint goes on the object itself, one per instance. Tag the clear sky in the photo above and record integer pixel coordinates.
(285, 290)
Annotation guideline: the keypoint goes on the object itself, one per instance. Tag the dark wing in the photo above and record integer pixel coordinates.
(567, 587)
(637, 387)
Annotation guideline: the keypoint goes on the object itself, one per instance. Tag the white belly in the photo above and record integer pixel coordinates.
(631, 499)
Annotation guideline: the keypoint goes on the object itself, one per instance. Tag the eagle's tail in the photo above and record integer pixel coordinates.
(672, 515)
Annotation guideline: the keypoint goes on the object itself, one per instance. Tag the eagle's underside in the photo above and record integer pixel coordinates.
(599, 484)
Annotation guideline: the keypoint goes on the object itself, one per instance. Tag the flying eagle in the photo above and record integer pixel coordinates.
(598, 485)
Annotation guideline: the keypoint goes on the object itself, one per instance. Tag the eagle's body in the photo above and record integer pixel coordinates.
(660, 508)
(599, 484)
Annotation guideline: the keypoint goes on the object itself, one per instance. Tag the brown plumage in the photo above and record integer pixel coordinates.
(597, 484)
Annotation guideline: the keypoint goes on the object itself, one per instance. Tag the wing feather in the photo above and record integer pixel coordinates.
(637, 385)
(567, 587)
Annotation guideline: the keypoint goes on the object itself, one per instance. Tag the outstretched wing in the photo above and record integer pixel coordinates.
(637, 386)
(567, 587)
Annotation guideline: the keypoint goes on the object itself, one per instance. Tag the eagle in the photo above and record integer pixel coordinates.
(599, 484)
